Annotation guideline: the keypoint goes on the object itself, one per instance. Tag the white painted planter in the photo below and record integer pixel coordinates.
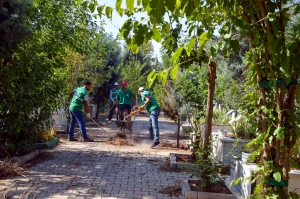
(189, 194)
(224, 147)
(245, 172)
(222, 133)
(59, 118)
(245, 157)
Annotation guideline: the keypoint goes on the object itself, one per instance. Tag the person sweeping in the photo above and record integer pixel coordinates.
(80, 98)
(151, 105)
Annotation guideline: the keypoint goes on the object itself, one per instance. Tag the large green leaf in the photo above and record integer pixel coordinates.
(165, 77)
(118, 5)
(149, 76)
(130, 5)
(145, 3)
(203, 38)
(277, 176)
(177, 54)
(152, 79)
(92, 7)
(156, 35)
(100, 10)
(190, 46)
(279, 132)
(174, 71)
(108, 12)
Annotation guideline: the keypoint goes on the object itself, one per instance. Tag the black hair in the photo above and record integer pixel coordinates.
(87, 83)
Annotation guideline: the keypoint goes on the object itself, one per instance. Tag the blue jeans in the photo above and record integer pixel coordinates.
(153, 125)
(77, 116)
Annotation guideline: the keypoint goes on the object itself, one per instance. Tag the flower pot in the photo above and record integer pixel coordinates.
(222, 133)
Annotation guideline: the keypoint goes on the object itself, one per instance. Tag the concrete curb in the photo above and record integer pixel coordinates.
(24, 158)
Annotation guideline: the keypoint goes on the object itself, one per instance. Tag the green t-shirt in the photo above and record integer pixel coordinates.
(153, 103)
(124, 97)
(80, 95)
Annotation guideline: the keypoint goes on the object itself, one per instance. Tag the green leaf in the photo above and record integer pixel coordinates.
(92, 7)
(279, 133)
(84, 5)
(174, 71)
(152, 79)
(235, 46)
(145, 3)
(139, 2)
(108, 12)
(271, 16)
(100, 10)
(135, 48)
(203, 38)
(170, 5)
(149, 76)
(118, 5)
(277, 176)
(130, 5)
(190, 46)
(177, 54)
(227, 36)
(285, 64)
(79, 2)
(213, 51)
(156, 35)
(165, 77)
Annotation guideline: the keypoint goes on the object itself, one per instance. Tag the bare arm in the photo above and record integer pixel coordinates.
(86, 106)
(148, 100)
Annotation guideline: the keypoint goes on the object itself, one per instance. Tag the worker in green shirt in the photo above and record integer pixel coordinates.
(79, 100)
(113, 98)
(124, 100)
(151, 105)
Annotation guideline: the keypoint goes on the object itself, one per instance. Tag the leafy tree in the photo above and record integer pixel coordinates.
(272, 61)
(30, 89)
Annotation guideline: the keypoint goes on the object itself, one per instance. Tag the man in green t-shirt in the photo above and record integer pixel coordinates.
(124, 100)
(113, 98)
(151, 105)
(79, 100)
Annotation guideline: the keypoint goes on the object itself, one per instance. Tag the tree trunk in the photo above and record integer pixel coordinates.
(209, 113)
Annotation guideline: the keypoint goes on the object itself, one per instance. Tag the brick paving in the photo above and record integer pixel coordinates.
(100, 170)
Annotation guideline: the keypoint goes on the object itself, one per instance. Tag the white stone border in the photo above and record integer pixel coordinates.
(24, 158)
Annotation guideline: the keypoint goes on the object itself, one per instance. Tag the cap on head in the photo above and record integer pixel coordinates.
(141, 89)
(87, 83)
(116, 84)
(124, 83)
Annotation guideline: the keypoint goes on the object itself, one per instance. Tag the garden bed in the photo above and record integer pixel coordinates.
(185, 161)
(216, 193)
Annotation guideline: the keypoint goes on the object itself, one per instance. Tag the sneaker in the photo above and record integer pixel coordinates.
(73, 139)
(109, 121)
(88, 140)
(154, 144)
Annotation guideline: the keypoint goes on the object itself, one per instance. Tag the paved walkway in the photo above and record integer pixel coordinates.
(101, 170)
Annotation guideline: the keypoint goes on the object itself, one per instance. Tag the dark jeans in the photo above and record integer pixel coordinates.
(77, 116)
(122, 109)
(111, 112)
(153, 125)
